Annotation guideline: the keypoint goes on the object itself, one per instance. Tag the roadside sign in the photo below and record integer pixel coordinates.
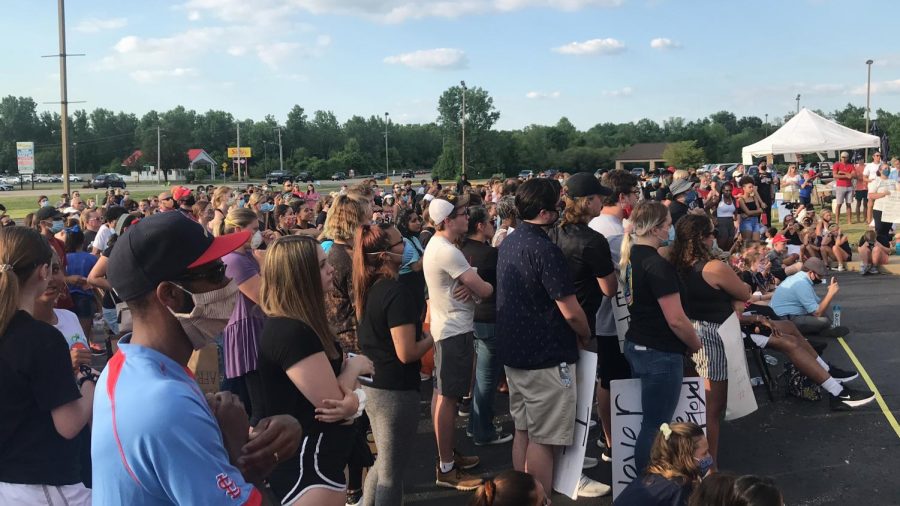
(25, 157)
(244, 153)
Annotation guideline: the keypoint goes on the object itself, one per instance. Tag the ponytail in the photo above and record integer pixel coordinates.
(22, 251)
(647, 216)
(485, 494)
(509, 488)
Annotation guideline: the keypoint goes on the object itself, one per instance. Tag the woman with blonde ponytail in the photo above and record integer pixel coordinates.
(511, 488)
(659, 333)
(240, 339)
(47, 405)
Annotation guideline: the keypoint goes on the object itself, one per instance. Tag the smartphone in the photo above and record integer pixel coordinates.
(364, 379)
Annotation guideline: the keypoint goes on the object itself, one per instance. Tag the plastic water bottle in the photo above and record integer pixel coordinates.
(756, 381)
(835, 316)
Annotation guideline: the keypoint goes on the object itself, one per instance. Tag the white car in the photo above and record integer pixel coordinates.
(6, 187)
(74, 179)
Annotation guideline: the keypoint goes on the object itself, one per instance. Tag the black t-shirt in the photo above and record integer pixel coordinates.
(284, 342)
(483, 256)
(389, 304)
(654, 490)
(651, 277)
(320, 218)
(677, 210)
(764, 186)
(89, 236)
(35, 378)
(588, 255)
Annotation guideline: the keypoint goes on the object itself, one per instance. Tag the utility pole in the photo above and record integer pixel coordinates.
(158, 155)
(463, 84)
(64, 96)
(387, 172)
(767, 125)
(75, 150)
(798, 103)
(280, 151)
(238, 151)
(868, 103)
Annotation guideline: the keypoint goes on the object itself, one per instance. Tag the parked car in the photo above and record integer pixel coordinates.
(306, 177)
(107, 181)
(4, 187)
(378, 176)
(338, 176)
(550, 173)
(279, 177)
(74, 179)
(56, 179)
(407, 174)
(525, 174)
(639, 172)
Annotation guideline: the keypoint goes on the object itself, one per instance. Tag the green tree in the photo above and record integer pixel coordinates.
(683, 154)
(480, 118)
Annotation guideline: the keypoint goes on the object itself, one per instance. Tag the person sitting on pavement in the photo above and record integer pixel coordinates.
(679, 459)
(873, 252)
(511, 488)
(782, 265)
(796, 300)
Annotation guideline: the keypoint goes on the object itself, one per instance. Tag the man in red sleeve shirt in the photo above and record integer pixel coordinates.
(843, 186)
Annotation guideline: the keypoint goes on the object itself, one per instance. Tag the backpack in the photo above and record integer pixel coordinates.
(801, 386)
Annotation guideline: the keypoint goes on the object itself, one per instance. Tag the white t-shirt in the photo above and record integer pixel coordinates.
(871, 171)
(67, 323)
(102, 238)
(443, 264)
(881, 186)
(614, 231)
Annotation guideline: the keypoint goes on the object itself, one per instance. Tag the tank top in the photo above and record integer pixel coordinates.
(705, 303)
(725, 210)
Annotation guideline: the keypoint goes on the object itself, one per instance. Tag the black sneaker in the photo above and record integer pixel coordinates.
(850, 398)
(841, 375)
(464, 406)
(354, 497)
(838, 331)
(498, 439)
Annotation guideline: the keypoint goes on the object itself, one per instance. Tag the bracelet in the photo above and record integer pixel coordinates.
(84, 379)
(361, 396)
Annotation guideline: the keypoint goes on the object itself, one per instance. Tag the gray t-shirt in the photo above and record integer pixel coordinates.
(611, 228)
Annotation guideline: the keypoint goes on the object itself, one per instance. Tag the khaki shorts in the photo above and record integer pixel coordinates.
(541, 404)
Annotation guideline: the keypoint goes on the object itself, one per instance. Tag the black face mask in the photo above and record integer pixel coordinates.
(818, 280)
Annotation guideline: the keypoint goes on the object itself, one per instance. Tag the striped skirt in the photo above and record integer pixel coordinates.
(710, 360)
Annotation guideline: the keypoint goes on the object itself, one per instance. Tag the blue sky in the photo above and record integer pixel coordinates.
(589, 60)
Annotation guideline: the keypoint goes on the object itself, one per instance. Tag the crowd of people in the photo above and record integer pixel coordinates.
(329, 312)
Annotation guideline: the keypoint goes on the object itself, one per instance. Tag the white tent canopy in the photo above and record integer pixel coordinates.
(807, 132)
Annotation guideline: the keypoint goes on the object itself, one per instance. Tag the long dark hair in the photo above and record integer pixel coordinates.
(368, 265)
(688, 247)
(403, 218)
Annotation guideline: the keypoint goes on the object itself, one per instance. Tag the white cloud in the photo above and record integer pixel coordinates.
(540, 95)
(664, 43)
(623, 92)
(94, 25)
(151, 76)
(879, 88)
(274, 54)
(440, 58)
(593, 46)
(194, 15)
(237, 50)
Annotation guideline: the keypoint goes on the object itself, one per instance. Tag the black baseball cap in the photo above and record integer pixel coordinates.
(584, 184)
(162, 248)
(48, 213)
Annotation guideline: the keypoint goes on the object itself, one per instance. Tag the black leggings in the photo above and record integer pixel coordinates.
(255, 393)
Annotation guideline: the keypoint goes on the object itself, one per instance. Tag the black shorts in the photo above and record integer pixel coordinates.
(611, 363)
(84, 305)
(862, 195)
(319, 463)
(453, 359)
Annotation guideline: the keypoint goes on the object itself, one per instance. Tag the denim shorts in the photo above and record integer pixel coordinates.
(751, 224)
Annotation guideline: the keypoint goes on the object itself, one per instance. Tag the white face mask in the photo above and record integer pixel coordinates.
(256, 240)
(210, 315)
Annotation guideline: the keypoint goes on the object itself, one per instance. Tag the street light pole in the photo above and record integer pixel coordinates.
(280, 151)
(64, 97)
(387, 171)
(868, 97)
(158, 156)
(767, 125)
(75, 150)
(463, 84)
(798, 103)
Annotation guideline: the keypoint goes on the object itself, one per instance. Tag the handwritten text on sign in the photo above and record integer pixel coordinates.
(626, 422)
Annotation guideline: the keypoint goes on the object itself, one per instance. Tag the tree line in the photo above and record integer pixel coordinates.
(321, 144)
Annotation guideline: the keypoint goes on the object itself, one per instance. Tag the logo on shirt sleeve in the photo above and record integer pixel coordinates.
(228, 485)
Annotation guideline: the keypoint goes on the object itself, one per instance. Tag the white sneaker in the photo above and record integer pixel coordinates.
(592, 488)
(589, 463)
(840, 268)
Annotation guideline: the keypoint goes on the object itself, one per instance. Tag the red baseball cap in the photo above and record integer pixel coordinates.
(779, 238)
(180, 192)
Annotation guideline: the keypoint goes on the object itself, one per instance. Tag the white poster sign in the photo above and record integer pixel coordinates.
(741, 401)
(570, 459)
(621, 314)
(25, 157)
(627, 414)
(890, 208)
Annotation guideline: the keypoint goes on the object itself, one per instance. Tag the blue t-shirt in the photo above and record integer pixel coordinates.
(795, 296)
(805, 191)
(531, 276)
(155, 440)
(79, 264)
(654, 490)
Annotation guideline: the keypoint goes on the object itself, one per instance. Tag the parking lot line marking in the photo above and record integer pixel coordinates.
(862, 371)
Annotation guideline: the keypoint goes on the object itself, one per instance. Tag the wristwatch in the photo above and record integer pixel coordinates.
(87, 375)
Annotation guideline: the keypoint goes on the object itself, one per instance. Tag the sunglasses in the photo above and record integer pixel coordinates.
(213, 273)
(169, 198)
(457, 214)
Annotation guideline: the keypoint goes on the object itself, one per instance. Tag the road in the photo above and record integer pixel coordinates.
(817, 457)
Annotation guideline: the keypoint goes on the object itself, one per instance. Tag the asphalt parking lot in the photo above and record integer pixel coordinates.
(816, 456)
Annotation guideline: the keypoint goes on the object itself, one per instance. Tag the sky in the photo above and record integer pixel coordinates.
(591, 61)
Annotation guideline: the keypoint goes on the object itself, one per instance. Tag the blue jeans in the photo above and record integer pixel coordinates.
(661, 374)
(111, 317)
(487, 374)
